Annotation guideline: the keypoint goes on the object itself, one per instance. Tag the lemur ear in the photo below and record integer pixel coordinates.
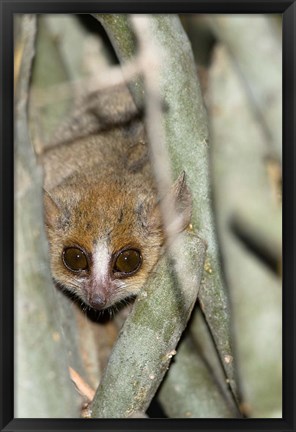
(181, 195)
(149, 214)
(51, 209)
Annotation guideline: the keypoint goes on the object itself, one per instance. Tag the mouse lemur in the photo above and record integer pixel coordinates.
(100, 201)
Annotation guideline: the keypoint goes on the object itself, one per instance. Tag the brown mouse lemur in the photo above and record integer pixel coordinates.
(100, 201)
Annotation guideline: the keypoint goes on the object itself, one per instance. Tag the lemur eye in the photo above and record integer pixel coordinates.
(127, 262)
(75, 259)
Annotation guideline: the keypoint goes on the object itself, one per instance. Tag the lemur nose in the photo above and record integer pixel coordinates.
(97, 301)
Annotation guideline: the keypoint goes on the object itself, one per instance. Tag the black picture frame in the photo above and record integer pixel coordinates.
(7, 9)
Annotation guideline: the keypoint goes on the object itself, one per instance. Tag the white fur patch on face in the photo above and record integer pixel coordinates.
(101, 260)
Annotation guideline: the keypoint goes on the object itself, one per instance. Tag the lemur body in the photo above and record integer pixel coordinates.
(101, 205)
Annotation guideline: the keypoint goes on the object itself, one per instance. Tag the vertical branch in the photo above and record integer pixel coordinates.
(41, 370)
(150, 58)
(124, 43)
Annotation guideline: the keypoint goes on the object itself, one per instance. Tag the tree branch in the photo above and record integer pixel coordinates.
(41, 369)
(185, 130)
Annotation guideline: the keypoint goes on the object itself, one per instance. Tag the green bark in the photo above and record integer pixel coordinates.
(40, 370)
(124, 44)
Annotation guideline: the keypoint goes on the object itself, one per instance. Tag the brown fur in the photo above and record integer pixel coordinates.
(100, 186)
